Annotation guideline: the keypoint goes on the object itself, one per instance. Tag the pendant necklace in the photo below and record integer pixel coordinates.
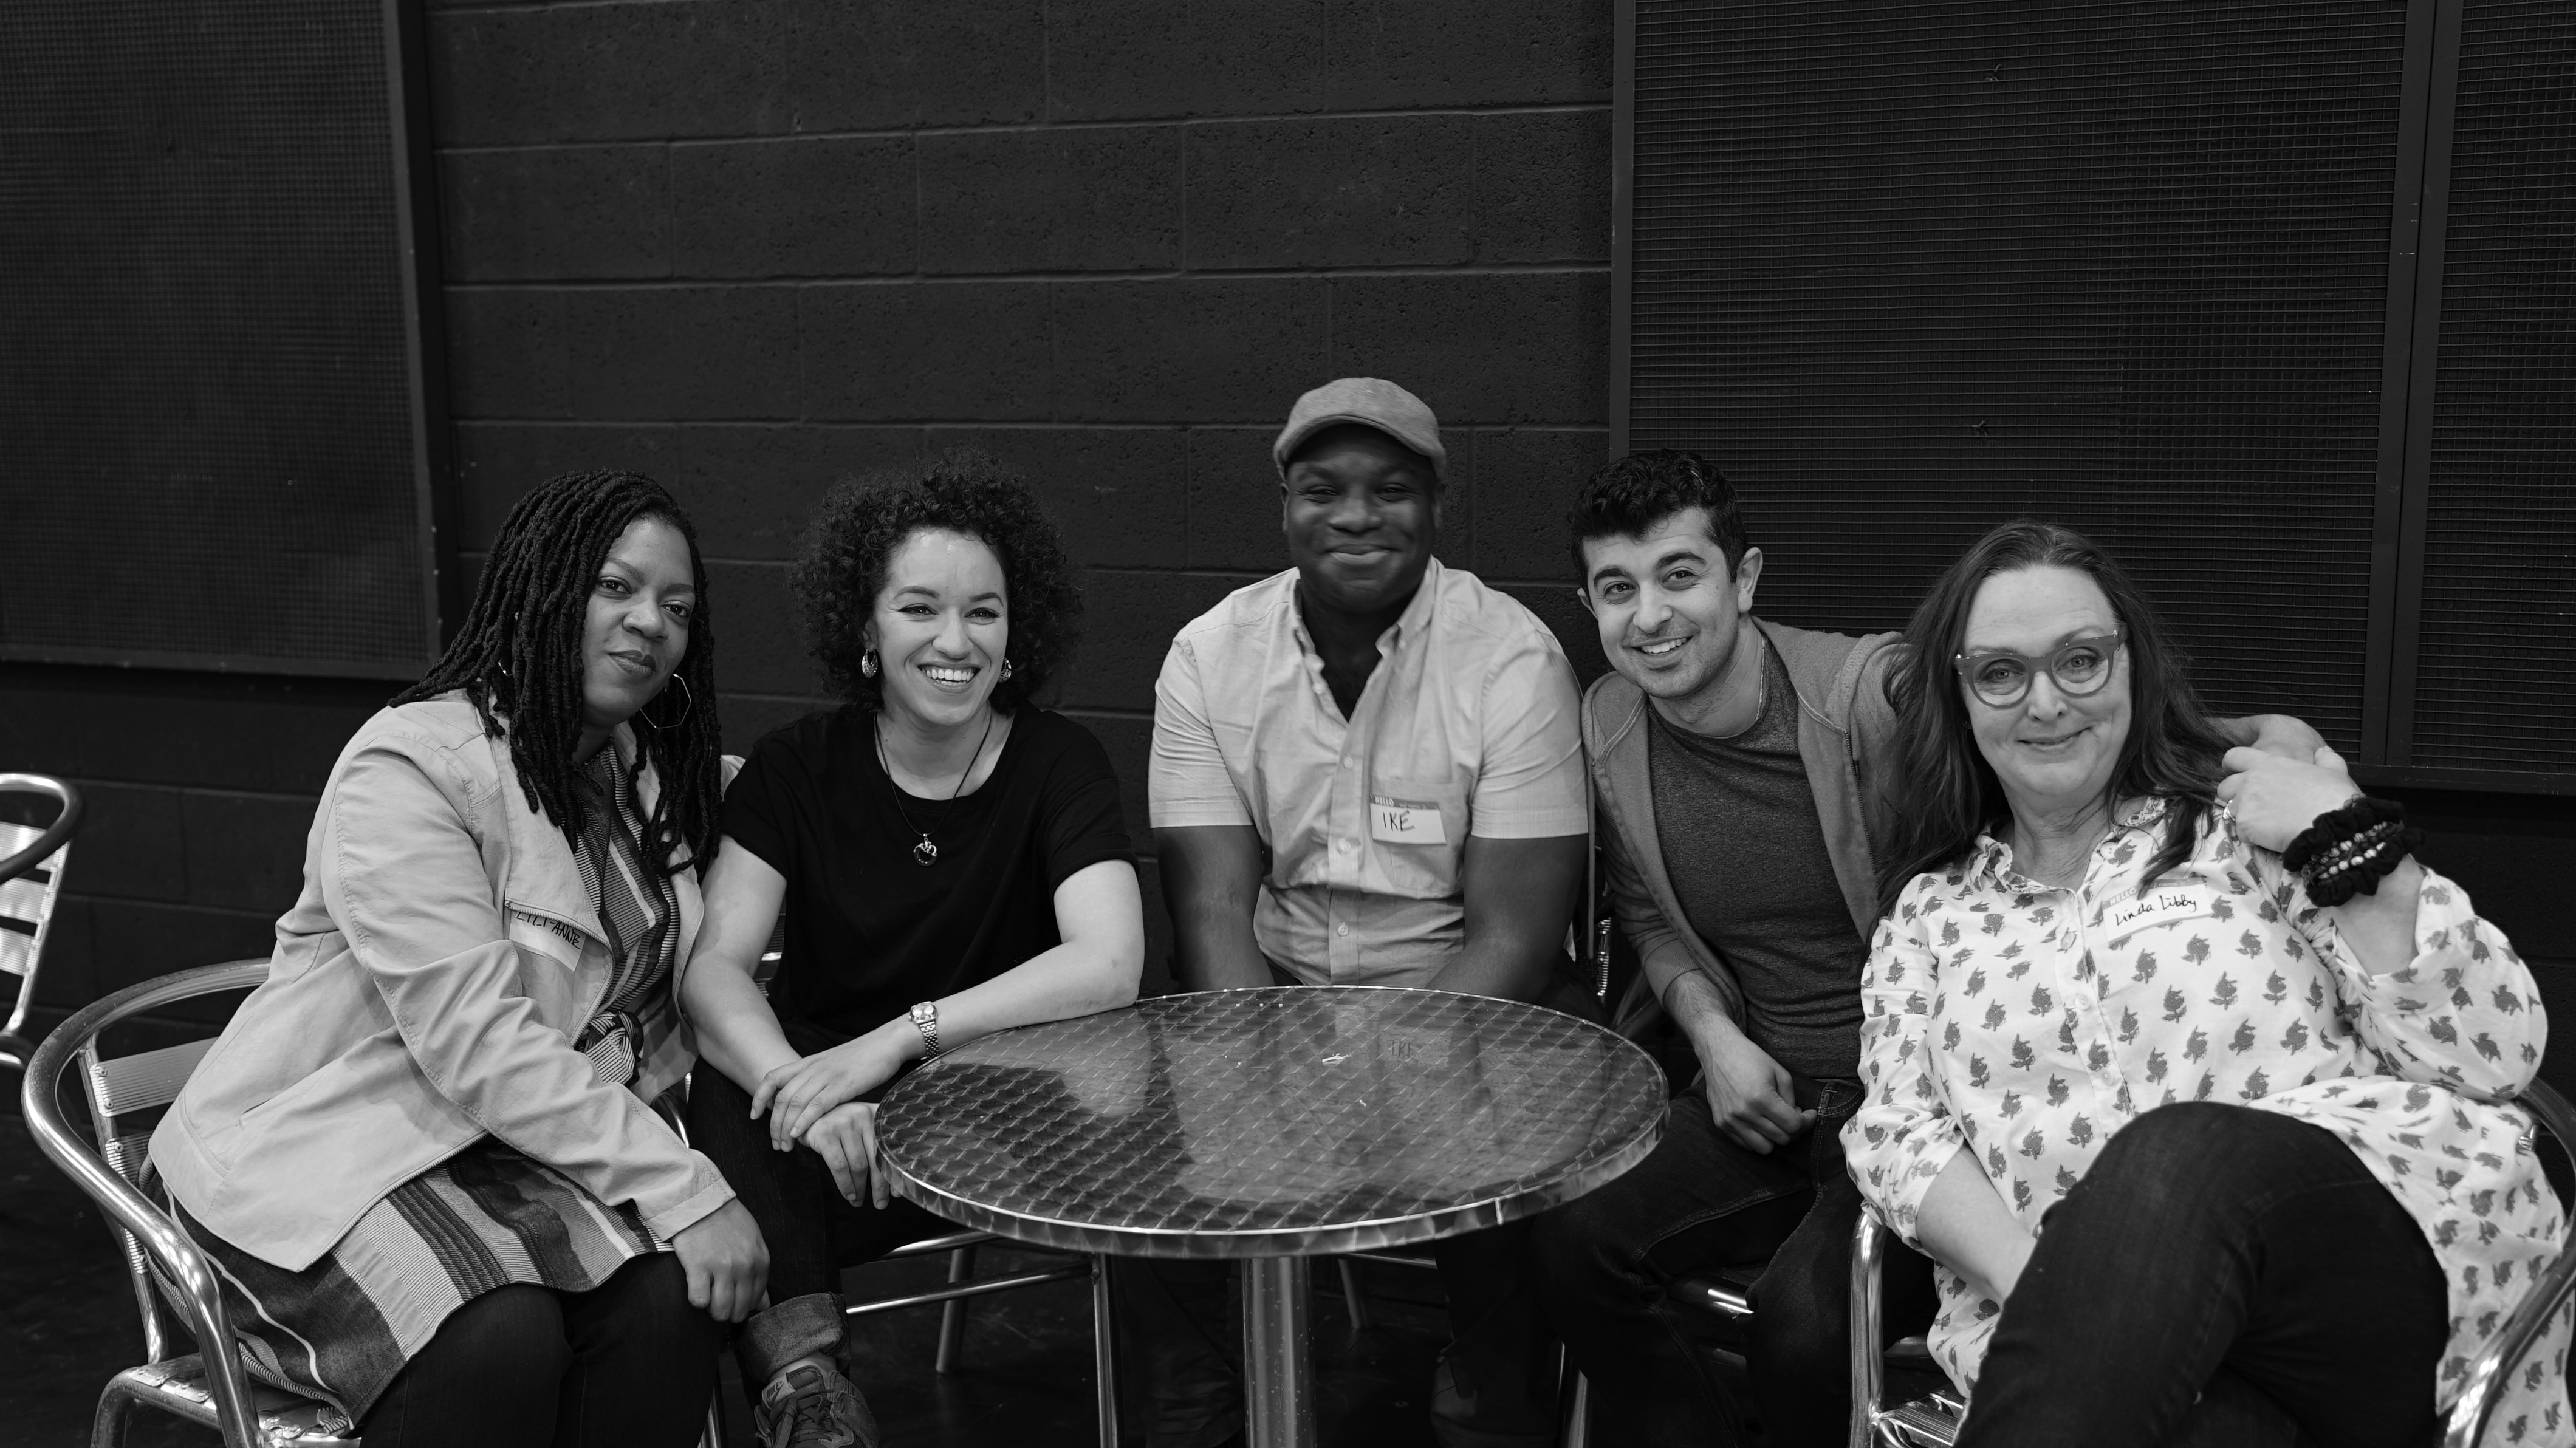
(925, 853)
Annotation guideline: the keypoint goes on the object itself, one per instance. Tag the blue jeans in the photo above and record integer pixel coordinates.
(2222, 1276)
(1605, 1263)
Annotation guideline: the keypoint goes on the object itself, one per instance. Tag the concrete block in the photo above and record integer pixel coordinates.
(793, 208)
(1527, 347)
(245, 852)
(680, 352)
(1119, 496)
(1132, 617)
(752, 488)
(748, 717)
(1121, 59)
(555, 213)
(131, 845)
(871, 64)
(760, 631)
(920, 353)
(41, 729)
(1104, 198)
(1188, 350)
(1339, 191)
(1234, 498)
(1402, 53)
(1563, 613)
(505, 352)
(647, 71)
(499, 462)
(132, 727)
(1542, 190)
(1526, 481)
(134, 941)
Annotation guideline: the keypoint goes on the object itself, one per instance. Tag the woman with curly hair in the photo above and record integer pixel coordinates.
(422, 1157)
(951, 861)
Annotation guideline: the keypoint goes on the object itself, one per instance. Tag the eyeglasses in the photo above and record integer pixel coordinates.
(2002, 678)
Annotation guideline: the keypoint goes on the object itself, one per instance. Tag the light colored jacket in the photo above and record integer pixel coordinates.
(425, 991)
(1846, 740)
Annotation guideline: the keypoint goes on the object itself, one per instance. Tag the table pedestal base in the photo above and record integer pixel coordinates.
(1279, 1390)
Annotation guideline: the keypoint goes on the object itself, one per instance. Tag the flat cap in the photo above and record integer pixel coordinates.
(1371, 402)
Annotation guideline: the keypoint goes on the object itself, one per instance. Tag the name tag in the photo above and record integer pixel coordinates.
(547, 936)
(1406, 822)
(2152, 907)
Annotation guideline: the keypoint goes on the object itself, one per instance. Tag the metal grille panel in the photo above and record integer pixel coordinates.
(1907, 270)
(2494, 686)
(209, 453)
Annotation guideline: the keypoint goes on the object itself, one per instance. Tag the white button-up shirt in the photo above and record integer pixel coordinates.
(1467, 727)
(2026, 1025)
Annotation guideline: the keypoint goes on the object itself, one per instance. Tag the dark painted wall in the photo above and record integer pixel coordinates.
(748, 246)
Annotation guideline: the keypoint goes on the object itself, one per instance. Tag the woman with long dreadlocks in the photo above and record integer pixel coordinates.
(950, 859)
(422, 1157)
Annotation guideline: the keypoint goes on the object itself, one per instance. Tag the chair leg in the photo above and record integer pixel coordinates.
(952, 1313)
(713, 1435)
(1104, 1352)
(1352, 1298)
(1577, 1430)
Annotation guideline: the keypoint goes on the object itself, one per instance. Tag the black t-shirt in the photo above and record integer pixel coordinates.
(870, 930)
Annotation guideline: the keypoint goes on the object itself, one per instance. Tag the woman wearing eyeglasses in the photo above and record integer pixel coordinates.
(2195, 1084)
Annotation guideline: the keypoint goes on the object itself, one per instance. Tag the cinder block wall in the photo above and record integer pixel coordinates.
(750, 246)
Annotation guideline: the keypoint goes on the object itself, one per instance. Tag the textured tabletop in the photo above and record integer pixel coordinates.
(1272, 1122)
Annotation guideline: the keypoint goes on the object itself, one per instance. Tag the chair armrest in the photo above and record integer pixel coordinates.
(1869, 1245)
(2493, 1367)
(150, 1227)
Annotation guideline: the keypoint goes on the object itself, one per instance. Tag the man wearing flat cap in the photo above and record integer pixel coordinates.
(1367, 770)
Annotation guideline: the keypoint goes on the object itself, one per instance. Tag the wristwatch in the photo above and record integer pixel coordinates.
(925, 1019)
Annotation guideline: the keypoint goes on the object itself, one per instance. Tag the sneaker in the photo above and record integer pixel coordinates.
(811, 1406)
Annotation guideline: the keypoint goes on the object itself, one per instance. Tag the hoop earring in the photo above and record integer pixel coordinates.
(1006, 671)
(868, 664)
(688, 704)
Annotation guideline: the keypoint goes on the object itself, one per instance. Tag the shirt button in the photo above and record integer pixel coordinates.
(1343, 845)
(1343, 929)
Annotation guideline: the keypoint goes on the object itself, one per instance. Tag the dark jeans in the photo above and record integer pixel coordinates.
(629, 1362)
(811, 1230)
(1699, 1203)
(2222, 1276)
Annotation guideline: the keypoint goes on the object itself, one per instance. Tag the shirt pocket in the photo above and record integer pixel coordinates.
(1428, 866)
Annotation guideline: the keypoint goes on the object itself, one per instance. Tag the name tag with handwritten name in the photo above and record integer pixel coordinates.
(2153, 907)
(1405, 821)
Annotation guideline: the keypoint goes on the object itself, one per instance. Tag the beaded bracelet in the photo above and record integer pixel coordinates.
(2349, 850)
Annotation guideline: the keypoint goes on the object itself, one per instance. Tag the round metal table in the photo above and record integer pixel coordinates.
(1272, 1125)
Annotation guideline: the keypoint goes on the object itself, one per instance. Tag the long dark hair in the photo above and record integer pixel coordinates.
(1946, 793)
(841, 567)
(518, 657)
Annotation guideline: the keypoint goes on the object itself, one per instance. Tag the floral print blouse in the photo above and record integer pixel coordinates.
(2026, 1024)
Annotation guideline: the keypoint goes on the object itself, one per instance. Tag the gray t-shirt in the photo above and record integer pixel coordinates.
(1746, 853)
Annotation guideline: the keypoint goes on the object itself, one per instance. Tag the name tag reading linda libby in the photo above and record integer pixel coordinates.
(1405, 822)
(2152, 907)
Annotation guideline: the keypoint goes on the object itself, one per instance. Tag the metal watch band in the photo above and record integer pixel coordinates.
(925, 1019)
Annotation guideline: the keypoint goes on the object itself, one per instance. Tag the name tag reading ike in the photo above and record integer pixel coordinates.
(2152, 907)
(1405, 822)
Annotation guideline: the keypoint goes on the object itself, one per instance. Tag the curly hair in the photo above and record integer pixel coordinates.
(518, 657)
(841, 567)
(1625, 498)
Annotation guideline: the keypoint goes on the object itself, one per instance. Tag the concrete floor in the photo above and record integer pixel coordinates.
(1026, 1378)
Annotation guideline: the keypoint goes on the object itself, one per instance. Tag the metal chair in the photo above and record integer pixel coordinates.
(31, 876)
(1931, 1419)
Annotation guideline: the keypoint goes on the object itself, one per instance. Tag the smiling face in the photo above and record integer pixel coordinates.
(1361, 511)
(1668, 608)
(940, 628)
(2052, 752)
(637, 626)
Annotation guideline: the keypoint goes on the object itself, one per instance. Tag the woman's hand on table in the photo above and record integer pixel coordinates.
(796, 1095)
(726, 1262)
(2276, 798)
(846, 1138)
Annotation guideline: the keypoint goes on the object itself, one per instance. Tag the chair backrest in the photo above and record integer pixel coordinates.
(32, 860)
(125, 1095)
